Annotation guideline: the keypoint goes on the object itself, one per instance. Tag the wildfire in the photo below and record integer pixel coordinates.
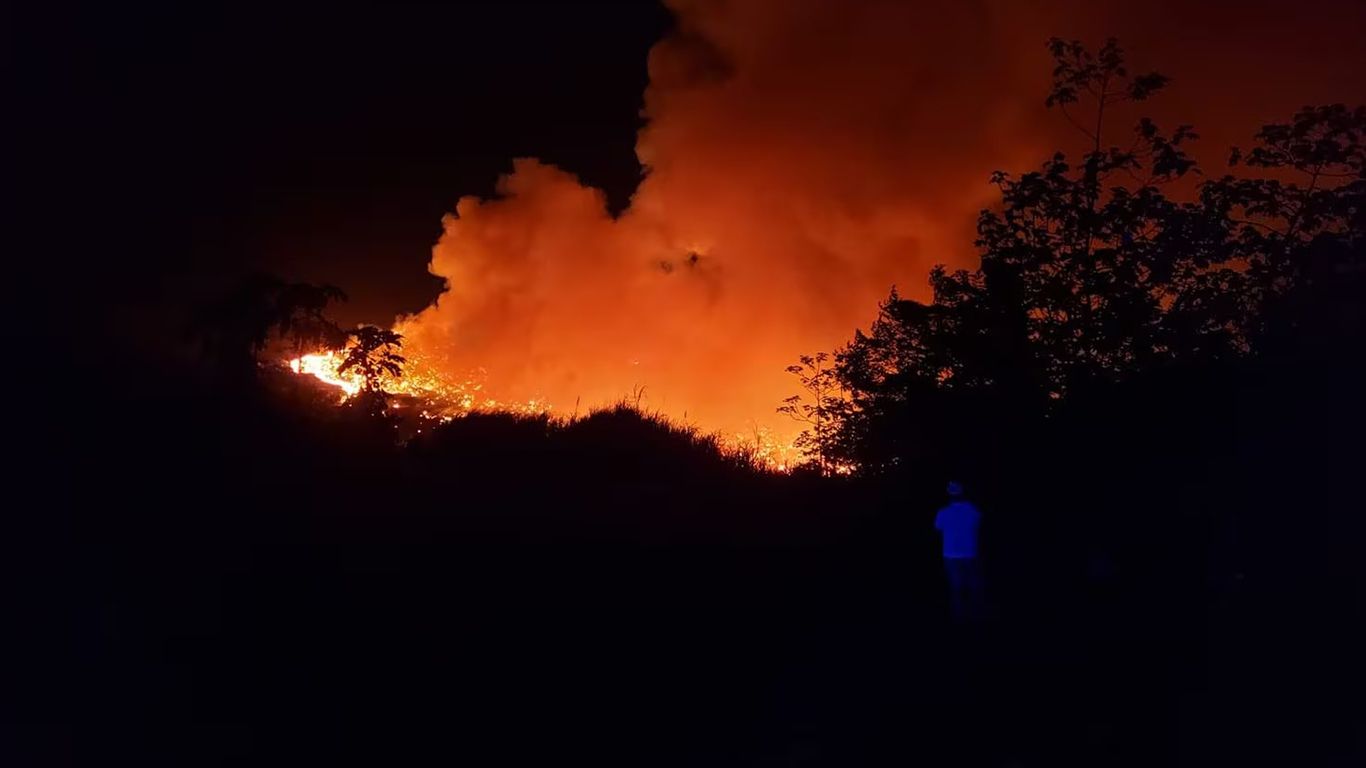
(323, 366)
(439, 398)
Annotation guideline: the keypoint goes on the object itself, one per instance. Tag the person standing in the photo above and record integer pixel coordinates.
(958, 523)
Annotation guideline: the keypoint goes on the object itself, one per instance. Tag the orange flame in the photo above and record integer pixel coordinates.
(442, 400)
(323, 366)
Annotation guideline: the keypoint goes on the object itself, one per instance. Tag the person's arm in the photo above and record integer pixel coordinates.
(939, 521)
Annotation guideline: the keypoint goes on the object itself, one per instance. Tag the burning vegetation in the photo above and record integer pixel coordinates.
(744, 250)
(800, 158)
(425, 396)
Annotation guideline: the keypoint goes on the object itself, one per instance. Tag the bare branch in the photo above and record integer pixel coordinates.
(1075, 124)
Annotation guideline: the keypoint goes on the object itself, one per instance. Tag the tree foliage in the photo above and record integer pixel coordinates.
(1100, 273)
(1301, 231)
(820, 409)
(233, 331)
(373, 353)
(302, 319)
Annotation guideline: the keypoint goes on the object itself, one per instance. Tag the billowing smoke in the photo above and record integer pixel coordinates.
(802, 156)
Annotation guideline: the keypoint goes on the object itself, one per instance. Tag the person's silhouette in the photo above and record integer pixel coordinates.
(958, 523)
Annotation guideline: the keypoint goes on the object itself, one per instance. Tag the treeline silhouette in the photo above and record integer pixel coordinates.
(1160, 366)
(1151, 386)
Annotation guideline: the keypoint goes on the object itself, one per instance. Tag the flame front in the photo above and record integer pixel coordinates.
(323, 366)
(438, 398)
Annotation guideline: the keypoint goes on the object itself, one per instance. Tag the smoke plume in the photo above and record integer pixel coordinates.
(802, 157)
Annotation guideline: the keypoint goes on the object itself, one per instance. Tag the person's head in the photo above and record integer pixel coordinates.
(955, 490)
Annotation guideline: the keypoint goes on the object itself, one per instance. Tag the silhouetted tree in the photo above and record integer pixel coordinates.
(234, 330)
(820, 409)
(374, 355)
(302, 318)
(1092, 276)
(1303, 241)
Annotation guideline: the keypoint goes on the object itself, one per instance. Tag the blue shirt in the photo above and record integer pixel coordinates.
(958, 522)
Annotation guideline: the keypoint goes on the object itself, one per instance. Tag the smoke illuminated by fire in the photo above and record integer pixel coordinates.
(802, 157)
(763, 230)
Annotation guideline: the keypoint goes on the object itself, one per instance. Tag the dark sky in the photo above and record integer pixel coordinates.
(171, 149)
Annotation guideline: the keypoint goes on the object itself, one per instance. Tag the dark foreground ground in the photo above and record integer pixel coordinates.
(293, 637)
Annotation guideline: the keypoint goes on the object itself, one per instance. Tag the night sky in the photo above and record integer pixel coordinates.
(321, 143)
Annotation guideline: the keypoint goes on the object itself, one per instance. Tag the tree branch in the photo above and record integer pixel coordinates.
(1259, 224)
(1075, 124)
